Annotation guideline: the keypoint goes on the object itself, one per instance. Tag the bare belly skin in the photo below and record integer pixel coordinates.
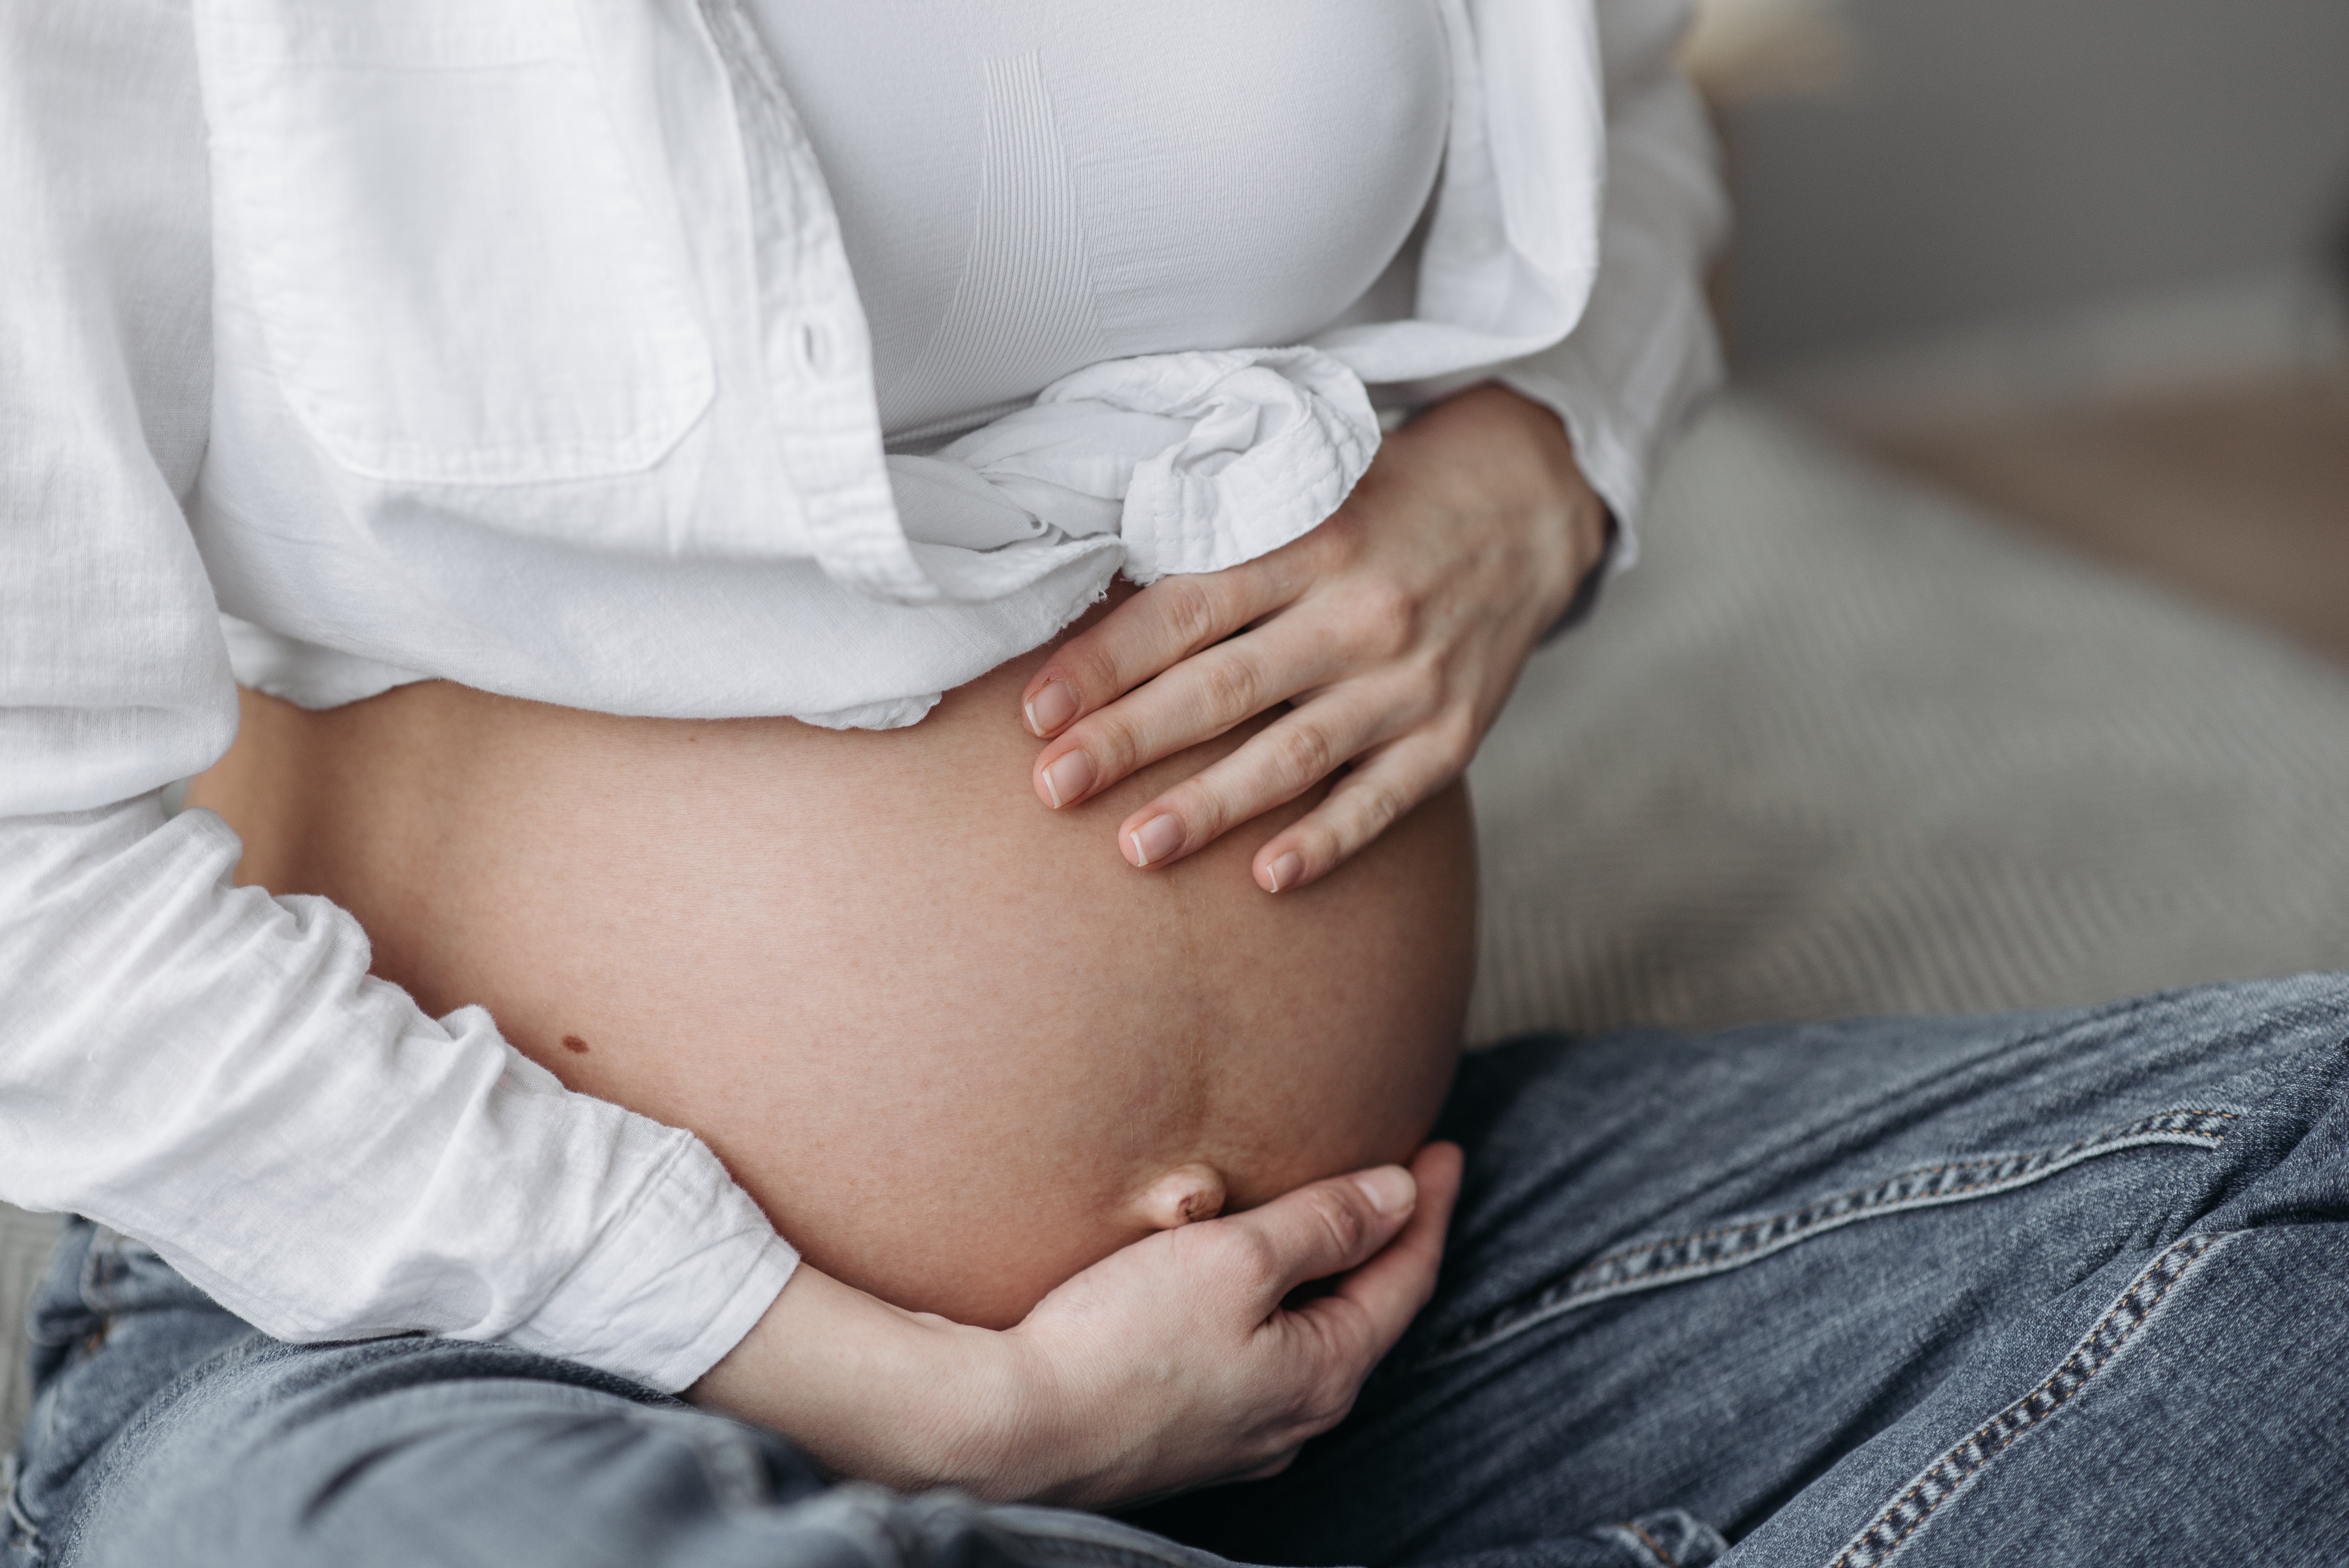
(954, 1046)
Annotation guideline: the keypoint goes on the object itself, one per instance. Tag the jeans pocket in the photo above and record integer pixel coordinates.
(1654, 1263)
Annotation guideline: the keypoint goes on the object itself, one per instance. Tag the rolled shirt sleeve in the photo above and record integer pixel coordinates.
(205, 1067)
(1646, 349)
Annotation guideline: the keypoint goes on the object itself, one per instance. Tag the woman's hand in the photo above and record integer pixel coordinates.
(1395, 629)
(1170, 1363)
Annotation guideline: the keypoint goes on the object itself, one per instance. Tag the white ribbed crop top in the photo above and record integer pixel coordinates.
(1028, 187)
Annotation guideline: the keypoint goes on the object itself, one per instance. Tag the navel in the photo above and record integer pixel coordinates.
(1187, 1192)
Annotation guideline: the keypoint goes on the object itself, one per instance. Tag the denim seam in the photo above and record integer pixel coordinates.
(1652, 1265)
(2136, 1132)
(1942, 1479)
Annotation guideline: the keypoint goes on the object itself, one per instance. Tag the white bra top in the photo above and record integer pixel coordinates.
(1028, 187)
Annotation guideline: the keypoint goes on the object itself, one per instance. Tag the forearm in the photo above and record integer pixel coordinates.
(213, 1071)
(908, 1399)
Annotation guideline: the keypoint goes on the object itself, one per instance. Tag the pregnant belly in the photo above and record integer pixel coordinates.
(952, 1043)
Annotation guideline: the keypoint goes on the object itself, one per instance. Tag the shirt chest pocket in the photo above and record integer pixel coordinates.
(456, 276)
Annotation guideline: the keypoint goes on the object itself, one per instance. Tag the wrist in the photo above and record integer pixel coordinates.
(908, 1399)
(1527, 463)
(1581, 522)
(1594, 581)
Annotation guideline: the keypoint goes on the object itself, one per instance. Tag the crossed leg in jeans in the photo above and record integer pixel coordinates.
(2069, 1287)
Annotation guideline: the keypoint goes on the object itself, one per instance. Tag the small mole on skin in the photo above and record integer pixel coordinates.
(573, 1043)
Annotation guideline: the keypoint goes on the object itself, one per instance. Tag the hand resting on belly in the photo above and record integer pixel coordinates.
(954, 1046)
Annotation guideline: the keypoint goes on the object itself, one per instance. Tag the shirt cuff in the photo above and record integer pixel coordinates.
(1609, 462)
(673, 1284)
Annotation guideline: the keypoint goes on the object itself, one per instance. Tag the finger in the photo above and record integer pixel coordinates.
(1289, 757)
(1319, 1229)
(1361, 1320)
(1364, 804)
(1197, 700)
(1395, 1284)
(1156, 629)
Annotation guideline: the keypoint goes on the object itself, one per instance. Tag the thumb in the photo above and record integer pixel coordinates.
(1326, 1228)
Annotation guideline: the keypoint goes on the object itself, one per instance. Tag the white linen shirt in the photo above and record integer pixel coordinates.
(594, 319)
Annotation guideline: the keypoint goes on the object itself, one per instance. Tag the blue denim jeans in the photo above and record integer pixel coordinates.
(2058, 1288)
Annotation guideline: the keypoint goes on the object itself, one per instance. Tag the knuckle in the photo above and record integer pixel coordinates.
(1303, 753)
(1344, 1223)
(1328, 1398)
(1189, 609)
(1423, 687)
(1456, 743)
(1388, 616)
(1327, 1394)
(1324, 845)
(1091, 665)
(1249, 1254)
(1111, 739)
(1334, 1401)
(1232, 687)
(1204, 805)
(1377, 805)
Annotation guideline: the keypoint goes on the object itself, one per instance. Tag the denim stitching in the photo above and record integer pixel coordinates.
(1648, 1541)
(1882, 1541)
(1651, 1265)
(2151, 1124)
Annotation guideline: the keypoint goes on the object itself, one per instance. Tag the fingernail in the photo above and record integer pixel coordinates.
(1389, 1187)
(1050, 708)
(1067, 779)
(1285, 870)
(1155, 840)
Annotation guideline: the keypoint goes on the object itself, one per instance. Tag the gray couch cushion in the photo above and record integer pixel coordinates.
(24, 1247)
(1841, 747)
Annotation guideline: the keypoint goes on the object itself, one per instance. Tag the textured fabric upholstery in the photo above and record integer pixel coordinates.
(24, 1247)
(1843, 746)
